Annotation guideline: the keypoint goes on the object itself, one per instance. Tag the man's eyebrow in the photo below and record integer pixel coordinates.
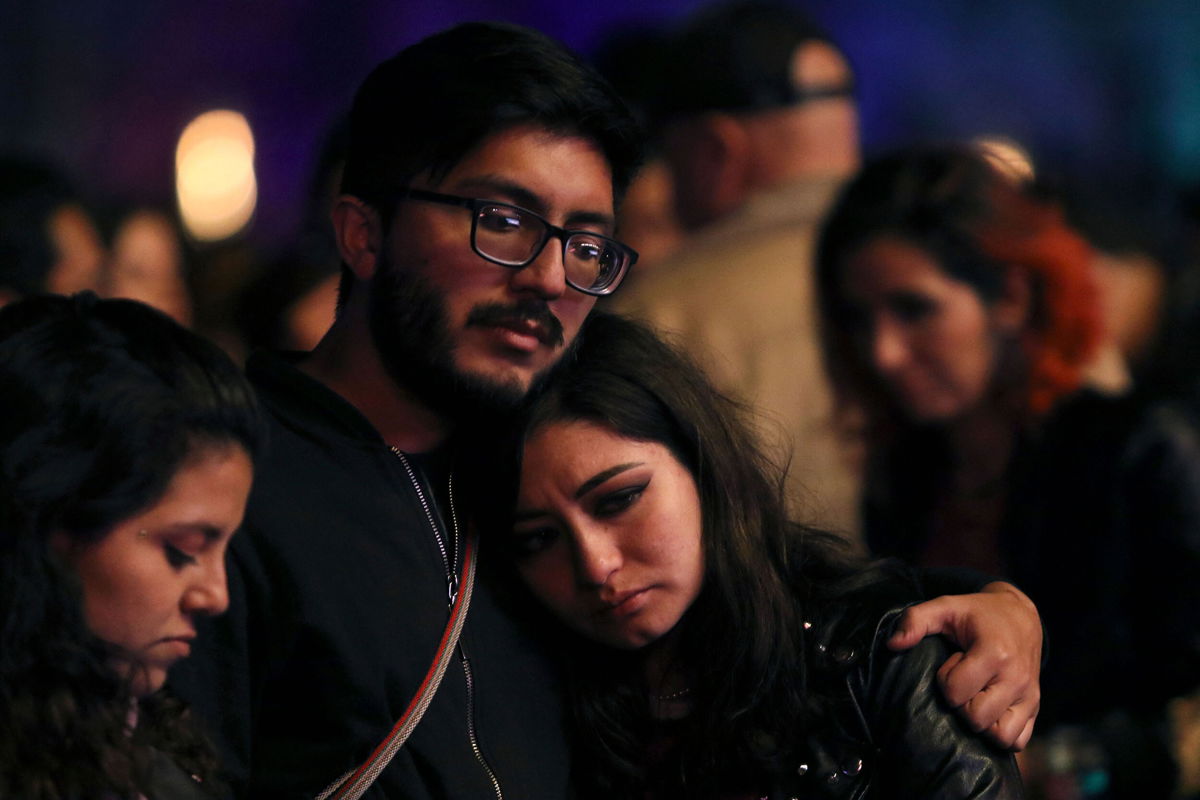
(495, 187)
(592, 218)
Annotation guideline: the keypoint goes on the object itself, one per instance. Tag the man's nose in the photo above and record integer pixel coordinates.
(545, 276)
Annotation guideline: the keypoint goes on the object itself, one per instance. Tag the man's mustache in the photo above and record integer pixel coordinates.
(549, 330)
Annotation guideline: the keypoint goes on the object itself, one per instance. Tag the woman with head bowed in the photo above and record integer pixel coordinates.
(959, 317)
(126, 452)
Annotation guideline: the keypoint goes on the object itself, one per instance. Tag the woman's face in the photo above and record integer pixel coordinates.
(927, 336)
(148, 578)
(607, 532)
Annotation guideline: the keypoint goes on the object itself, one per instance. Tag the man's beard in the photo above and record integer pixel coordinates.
(410, 328)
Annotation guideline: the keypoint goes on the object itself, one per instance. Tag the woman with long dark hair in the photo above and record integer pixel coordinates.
(959, 318)
(126, 448)
(714, 648)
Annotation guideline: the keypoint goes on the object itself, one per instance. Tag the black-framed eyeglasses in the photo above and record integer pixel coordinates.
(513, 237)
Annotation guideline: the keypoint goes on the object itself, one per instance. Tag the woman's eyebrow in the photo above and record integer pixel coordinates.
(588, 485)
(210, 532)
(601, 477)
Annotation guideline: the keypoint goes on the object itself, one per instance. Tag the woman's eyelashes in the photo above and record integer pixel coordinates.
(177, 557)
(183, 547)
(530, 541)
(613, 503)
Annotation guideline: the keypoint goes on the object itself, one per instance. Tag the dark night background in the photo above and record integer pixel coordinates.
(105, 88)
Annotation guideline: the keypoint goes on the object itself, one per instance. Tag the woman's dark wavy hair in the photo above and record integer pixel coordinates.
(102, 402)
(744, 635)
(977, 223)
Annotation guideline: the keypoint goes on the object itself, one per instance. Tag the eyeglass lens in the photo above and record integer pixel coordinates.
(510, 236)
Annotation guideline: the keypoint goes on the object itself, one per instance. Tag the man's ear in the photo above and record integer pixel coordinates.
(359, 234)
(729, 155)
(1012, 309)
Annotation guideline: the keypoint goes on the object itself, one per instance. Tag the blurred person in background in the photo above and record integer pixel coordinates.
(126, 448)
(146, 262)
(1135, 227)
(290, 304)
(48, 241)
(959, 314)
(760, 127)
(633, 61)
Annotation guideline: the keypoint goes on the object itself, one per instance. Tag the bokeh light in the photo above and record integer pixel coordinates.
(1008, 156)
(214, 175)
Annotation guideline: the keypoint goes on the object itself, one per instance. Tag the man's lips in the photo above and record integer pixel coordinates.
(525, 327)
(524, 319)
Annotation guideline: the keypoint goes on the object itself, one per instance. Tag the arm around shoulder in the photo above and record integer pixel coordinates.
(925, 750)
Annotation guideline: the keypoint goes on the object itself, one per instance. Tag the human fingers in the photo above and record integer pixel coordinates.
(1014, 727)
(963, 676)
(924, 619)
(1026, 733)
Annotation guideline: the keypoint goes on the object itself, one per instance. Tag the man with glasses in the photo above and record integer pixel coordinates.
(476, 232)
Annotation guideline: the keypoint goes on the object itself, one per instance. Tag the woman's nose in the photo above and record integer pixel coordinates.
(889, 349)
(597, 557)
(209, 592)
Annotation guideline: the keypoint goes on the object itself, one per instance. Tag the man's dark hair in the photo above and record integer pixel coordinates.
(426, 108)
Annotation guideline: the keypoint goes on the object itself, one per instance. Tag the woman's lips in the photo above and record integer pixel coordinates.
(624, 604)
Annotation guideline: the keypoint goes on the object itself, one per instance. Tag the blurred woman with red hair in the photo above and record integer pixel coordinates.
(959, 315)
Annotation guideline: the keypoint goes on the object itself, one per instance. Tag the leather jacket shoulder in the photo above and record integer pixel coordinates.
(890, 733)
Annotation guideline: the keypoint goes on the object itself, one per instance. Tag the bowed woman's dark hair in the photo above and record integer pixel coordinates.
(743, 639)
(101, 403)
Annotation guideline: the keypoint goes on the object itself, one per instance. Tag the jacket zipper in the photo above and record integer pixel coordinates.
(451, 569)
(452, 592)
(466, 662)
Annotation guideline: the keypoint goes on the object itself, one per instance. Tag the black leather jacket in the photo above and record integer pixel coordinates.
(892, 734)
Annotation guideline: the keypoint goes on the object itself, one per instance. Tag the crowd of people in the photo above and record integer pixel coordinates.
(789, 516)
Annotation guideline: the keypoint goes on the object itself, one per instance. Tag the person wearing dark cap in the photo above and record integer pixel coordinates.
(761, 127)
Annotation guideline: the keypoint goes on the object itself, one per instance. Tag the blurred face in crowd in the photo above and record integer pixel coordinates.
(478, 331)
(145, 582)
(79, 252)
(607, 532)
(146, 264)
(928, 337)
